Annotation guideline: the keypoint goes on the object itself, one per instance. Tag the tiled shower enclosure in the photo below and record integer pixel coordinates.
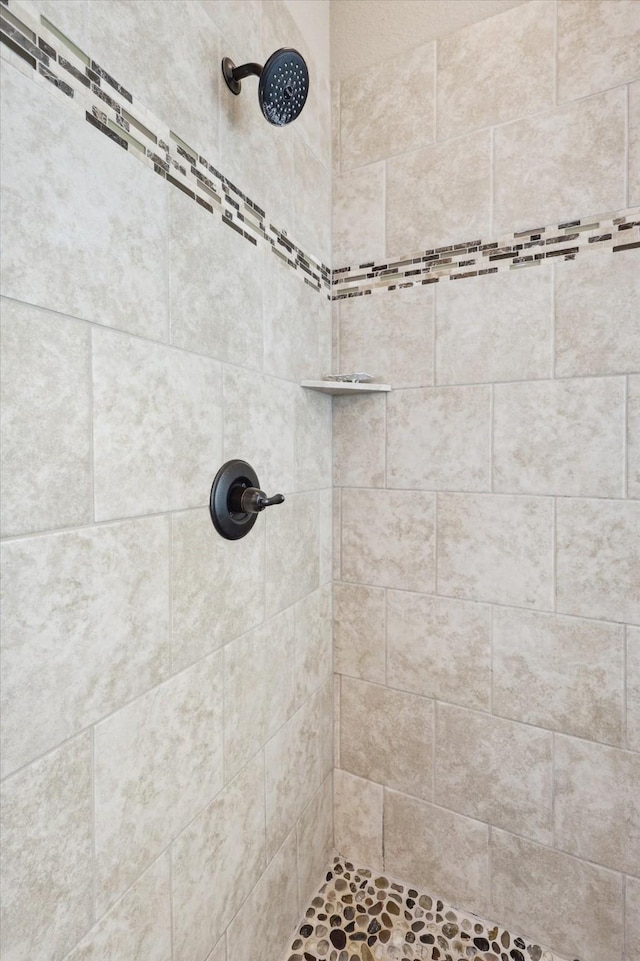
(400, 721)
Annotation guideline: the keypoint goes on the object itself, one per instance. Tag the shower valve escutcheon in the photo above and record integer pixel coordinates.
(236, 499)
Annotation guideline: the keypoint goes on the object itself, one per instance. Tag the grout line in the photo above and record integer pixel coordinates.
(554, 554)
(491, 661)
(625, 686)
(627, 147)
(492, 217)
(94, 857)
(553, 791)
(171, 902)
(625, 439)
(492, 466)
(436, 46)
(555, 55)
(92, 454)
(434, 338)
(434, 752)
(436, 531)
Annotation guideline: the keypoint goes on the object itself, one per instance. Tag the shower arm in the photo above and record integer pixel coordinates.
(245, 70)
(233, 75)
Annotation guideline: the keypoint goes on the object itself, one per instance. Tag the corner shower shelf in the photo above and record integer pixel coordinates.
(341, 388)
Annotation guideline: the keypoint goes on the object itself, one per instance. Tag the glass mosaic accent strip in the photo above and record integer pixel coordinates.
(111, 109)
(359, 915)
(475, 258)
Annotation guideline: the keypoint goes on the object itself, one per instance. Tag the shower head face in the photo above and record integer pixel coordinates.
(284, 85)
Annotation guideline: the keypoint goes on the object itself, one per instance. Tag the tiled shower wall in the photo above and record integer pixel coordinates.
(487, 604)
(167, 694)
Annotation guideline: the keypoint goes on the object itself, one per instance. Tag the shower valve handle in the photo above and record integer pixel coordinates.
(251, 500)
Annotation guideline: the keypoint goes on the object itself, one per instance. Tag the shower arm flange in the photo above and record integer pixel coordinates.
(233, 75)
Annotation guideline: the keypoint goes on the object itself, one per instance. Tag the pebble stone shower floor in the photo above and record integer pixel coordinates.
(358, 915)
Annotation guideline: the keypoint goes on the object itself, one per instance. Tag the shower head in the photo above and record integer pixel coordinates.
(283, 87)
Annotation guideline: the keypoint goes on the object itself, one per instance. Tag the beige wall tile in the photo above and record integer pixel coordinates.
(560, 437)
(253, 713)
(219, 953)
(578, 909)
(70, 16)
(358, 216)
(496, 548)
(359, 631)
(560, 164)
(634, 143)
(313, 643)
(215, 286)
(438, 195)
(633, 438)
(312, 198)
(46, 423)
(497, 327)
(632, 916)
(387, 736)
(313, 420)
(125, 223)
(598, 559)
(476, 90)
(47, 868)
(359, 441)
(598, 45)
(157, 426)
(388, 538)
(439, 438)
(135, 47)
(158, 761)
(268, 917)
(239, 21)
(597, 803)
(633, 688)
(217, 861)
(325, 535)
(298, 759)
(259, 427)
(562, 673)
(358, 818)
(63, 656)
(389, 335)
(438, 850)
(209, 577)
(314, 833)
(439, 648)
(336, 719)
(495, 770)
(138, 926)
(589, 292)
(335, 127)
(292, 550)
(385, 111)
(295, 316)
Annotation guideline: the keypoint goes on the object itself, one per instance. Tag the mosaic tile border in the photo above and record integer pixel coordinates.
(476, 258)
(359, 915)
(115, 112)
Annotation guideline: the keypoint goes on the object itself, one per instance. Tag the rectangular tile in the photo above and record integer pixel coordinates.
(158, 761)
(359, 632)
(371, 125)
(439, 850)
(598, 43)
(314, 837)
(313, 643)
(63, 657)
(496, 547)
(495, 328)
(387, 736)
(157, 426)
(634, 143)
(388, 538)
(633, 688)
(46, 427)
(138, 926)
(209, 574)
(439, 648)
(561, 673)
(560, 437)
(495, 770)
(359, 440)
(439, 438)
(390, 338)
(588, 293)
(517, 79)
(571, 158)
(632, 918)
(270, 913)
(253, 711)
(358, 818)
(598, 559)
(298, 759)
(597, 803)
(312, 440)
(125, 223)
(633, 437)
(358, 218)
(216, 862)
(47, 868)
(437, 195)
(578, 909)
(292, 551)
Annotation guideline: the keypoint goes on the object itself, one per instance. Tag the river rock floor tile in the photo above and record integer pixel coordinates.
(360, 915)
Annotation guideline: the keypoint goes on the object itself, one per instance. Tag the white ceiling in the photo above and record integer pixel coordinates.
(365, 32)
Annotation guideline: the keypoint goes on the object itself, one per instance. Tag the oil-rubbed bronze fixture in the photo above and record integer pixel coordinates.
(236, 499)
